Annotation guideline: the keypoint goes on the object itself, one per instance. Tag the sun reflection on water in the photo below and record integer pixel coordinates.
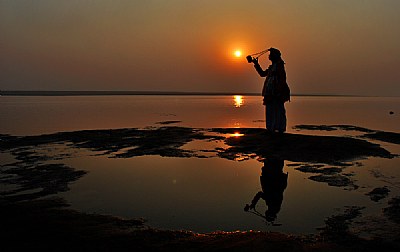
(236, 134)
(238, 100)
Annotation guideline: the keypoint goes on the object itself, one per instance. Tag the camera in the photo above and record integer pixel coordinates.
(250, 59)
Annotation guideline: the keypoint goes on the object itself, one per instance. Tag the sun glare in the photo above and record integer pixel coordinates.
(236, 134)
(238, 53)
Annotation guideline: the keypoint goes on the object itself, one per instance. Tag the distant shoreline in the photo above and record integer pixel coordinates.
(173, 93)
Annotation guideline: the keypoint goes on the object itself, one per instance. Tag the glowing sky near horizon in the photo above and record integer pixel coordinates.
(329, 46)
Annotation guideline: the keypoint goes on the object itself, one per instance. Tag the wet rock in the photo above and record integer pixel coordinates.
(168, 122)
(166, 141)
(378, 193)
(315, 127)
(333, 176)
(389, 137)
(337, 226)
(46, 225)
(353, 128)
(333, 128)
(319, 169)
(393, 210)
(38, 181)
(163, 141)
(337, 180)
(301, 148)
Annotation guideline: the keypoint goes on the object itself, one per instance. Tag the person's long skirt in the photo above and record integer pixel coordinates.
(275, 116)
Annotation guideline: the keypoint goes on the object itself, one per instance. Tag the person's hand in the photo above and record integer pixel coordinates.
(249, 207)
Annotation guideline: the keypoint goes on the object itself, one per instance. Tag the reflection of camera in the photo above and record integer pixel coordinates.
(250, 59)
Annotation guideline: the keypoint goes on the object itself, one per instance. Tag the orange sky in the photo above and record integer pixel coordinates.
(330, 47)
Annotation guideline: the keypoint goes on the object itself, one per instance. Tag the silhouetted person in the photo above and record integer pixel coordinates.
(275, 91)
(273, 183)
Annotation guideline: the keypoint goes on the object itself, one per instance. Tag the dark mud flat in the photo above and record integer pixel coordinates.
(29, 221)
(166, 141)
(390, 137)
(301, 148)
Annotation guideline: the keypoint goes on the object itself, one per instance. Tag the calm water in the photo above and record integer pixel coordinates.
(204, 194)
(37, 115)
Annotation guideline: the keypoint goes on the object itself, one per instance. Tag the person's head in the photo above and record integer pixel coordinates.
(274, 54)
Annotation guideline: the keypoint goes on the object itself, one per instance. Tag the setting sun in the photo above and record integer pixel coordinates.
(238, 53)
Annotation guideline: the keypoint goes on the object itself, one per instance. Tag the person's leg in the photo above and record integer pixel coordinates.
(281, 118)
(269, 118)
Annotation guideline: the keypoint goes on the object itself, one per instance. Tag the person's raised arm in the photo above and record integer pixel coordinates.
(262, 73)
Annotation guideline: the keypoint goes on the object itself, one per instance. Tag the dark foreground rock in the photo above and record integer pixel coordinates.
(46, 225)
(393, 210)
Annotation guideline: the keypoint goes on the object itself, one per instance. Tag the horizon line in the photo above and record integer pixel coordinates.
(127, 92)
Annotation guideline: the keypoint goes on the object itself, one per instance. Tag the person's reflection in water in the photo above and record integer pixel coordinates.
(273, 183)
